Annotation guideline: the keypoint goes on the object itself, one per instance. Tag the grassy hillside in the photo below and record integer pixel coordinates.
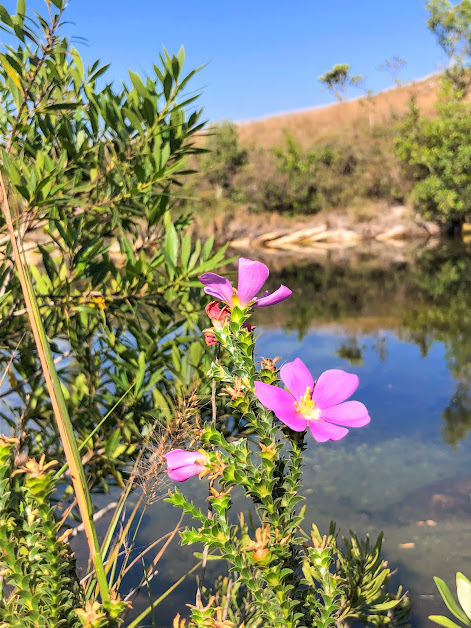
(318, 124)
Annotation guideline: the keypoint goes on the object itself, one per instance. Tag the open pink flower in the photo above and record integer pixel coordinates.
(320, 405)
(182, 464)
(252, 276)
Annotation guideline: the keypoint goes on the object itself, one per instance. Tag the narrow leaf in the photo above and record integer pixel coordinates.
(450, 601)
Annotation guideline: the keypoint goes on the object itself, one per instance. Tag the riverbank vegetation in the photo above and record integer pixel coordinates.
(409, 146)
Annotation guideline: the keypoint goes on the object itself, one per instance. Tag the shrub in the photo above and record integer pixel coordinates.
(224, 156)
(440, 151)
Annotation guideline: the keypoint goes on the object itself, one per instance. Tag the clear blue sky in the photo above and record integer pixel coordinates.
(263, 56)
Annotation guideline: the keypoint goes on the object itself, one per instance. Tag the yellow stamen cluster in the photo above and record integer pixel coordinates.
(235, 301)
(306, 406)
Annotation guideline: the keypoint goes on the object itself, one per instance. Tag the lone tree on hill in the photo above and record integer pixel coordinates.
(338, 79)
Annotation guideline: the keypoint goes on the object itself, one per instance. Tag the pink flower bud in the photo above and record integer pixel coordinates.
(182, 464)
(209, 337)
(218, 317)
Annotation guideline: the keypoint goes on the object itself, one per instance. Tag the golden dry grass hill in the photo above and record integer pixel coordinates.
(311, 125)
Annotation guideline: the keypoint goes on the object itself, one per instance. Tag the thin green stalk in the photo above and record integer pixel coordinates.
(59, 406)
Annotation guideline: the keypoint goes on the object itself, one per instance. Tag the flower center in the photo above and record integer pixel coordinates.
(236, 301)
(306, 406)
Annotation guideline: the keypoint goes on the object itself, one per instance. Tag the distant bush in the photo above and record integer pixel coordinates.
(224, 156)
(333, 173)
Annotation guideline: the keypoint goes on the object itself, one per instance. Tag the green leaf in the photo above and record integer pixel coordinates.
(133, 119)
(208, 245)
(62, 106)
(5, 16)
(112, 443)
(181, 56)
(165, 154)
(58, 3)
(450, 600)
(21, 7)
(168, 82)
(171, 239)
(385, 605)
(186, 250)
(463, 589)
(138, 84)
(199, 555)
(10, 72)
(443, 621)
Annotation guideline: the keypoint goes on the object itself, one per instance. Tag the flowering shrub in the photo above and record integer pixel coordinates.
(286, 578)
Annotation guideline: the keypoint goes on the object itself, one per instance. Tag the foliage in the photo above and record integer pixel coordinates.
(39, 585)
(93, 173)
(440, 149)
(225, 156)
(394, 66)
(338, 79)
(461, 611)
(332, 174)
(284, 577)
(451, 24)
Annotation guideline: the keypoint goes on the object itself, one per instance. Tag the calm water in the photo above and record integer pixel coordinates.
(402, 322)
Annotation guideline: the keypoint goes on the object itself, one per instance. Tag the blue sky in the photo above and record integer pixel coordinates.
(263, 57)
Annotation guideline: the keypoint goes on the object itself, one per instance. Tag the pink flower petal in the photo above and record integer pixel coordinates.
(184, 473)
(333, 387)
(323, 431)
(296, 377)
(278, 296)
(292, 419)
(252, 276)
(281, 403)
(351, 413)
(180, 457)
(274, 398)
(217, 286)
(212, 310)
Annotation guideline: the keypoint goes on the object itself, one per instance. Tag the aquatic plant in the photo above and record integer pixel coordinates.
(286, 577)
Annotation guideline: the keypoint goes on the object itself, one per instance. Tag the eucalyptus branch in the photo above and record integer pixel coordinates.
(46, 49)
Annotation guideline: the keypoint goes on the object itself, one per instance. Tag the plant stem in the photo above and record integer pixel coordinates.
(59, 406)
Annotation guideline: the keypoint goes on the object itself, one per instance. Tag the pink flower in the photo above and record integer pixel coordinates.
(182, 464)
(218, 319)
(317, 405)
(252, 276)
